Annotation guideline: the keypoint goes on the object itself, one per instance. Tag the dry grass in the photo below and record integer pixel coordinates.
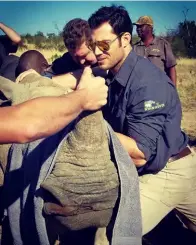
(186, 85)
(49, 54)
(187, 62)
(186, 72)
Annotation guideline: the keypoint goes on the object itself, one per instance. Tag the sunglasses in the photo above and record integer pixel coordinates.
(103, 45)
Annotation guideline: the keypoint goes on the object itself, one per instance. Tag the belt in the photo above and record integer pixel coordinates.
(185, 152)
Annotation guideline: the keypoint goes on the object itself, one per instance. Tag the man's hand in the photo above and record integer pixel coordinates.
(131, 147)
(95, 90)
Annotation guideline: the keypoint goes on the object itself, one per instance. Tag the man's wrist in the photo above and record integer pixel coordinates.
(83, 98)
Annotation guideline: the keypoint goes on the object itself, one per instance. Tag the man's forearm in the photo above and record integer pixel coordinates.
(71, 79)
(172, 74)
(68, 80)
(39, 118)
(14, 36)
(42, 117)
(131, 147)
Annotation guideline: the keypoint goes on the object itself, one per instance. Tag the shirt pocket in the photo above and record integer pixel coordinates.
(155, 53)
(157, 58)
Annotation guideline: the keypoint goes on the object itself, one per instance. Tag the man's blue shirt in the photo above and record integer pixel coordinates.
(144, 104)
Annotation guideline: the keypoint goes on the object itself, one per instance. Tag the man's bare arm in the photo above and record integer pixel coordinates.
(14, 36)
(68, 80)
(172, 74)
(42, 117)
(131, 147)
(71, 79)
(38, 118)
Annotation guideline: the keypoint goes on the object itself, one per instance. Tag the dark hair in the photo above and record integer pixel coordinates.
(31, 59)
(116, 16)
(75, 33)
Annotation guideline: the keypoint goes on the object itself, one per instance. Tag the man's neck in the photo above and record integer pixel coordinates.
(118, 66)
(148, 40)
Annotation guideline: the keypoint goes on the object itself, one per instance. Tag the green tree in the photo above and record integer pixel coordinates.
(187, 31)
(39, 39)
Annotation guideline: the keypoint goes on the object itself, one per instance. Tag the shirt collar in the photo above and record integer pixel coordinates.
(123, 74)
(154, 41)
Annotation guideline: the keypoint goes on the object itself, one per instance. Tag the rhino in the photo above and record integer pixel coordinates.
(83, 187)
(82, 190)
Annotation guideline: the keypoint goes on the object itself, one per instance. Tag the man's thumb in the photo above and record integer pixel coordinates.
(87, 71)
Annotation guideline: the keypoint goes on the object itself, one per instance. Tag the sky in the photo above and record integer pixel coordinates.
(51, 16)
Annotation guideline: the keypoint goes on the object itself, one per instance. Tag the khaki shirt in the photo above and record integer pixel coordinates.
(159, 52)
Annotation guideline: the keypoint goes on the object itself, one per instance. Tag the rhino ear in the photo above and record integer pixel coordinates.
(21, 77)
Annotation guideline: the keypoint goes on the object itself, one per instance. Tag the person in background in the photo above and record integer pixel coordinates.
(32, 59)
(156, 49)
(77, 37)
(67, 69)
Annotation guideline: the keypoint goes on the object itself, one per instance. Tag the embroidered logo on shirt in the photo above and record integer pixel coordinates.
(152, 105)
(155, 50)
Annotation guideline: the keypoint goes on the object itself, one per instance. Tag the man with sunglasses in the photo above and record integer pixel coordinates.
(156, 49)
(145, 112)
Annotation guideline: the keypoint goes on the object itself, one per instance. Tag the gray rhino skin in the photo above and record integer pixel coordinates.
(31, 86)
(84, 183)
(84, 180)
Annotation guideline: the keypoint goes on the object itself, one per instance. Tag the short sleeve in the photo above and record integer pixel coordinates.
(64, 64)
(9, 45)
(2, 53)
(170, 59)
